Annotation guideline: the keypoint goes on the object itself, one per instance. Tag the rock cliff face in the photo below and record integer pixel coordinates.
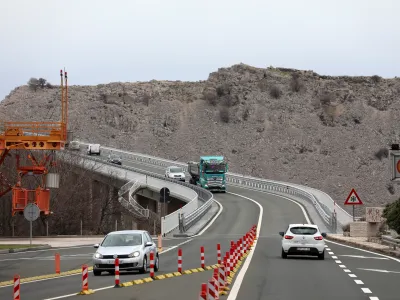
(297, 126)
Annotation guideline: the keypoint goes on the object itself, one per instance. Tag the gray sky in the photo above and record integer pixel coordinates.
(101, 41)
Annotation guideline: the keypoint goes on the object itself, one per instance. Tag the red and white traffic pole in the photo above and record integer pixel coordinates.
(85, 278)
(202, 257)
(116, 272)
(180, 260)
(152, 264)
(216, 283)
(219, 253)
(204, 292)
(16, 287)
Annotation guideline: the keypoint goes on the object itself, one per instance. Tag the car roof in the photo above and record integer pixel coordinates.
(127, 231)
(174, 167)
(212, 158)
(303, 225)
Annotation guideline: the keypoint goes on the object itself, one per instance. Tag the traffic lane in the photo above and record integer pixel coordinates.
(72, 284)
(382, 285)
(269, 276)
(41, 263)
(177, 288)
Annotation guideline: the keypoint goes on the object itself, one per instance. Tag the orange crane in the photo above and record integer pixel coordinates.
(34, 136)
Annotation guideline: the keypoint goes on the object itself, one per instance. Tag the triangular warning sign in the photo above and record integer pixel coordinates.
(353, 199)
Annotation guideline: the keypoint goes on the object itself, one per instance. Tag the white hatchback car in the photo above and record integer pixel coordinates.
(303, 239)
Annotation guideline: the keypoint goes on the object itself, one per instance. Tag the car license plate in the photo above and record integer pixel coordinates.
(111, 262)
(303, 249)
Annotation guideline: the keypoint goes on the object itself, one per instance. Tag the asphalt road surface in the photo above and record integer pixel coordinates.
(342, 275)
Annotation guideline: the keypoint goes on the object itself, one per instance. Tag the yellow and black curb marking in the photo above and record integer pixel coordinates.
(54, 275)
(47, 276)
(168, 275)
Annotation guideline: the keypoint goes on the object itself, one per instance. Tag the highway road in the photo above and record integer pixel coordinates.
(264, 275)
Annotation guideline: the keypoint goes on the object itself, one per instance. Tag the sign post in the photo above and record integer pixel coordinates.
(164, 198)
(31, 213)
(353, 199)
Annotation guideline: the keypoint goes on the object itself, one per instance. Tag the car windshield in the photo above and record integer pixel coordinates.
(114, 157)
(304, 230)
(121, 240)
(176, 170)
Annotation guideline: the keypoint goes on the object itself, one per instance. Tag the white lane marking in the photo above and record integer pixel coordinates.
(360, 256)
(331, 253)
(358, 281)
(221, 208)
(337, 261)
(378, 270)
(327, 248)
(366, 290)
(334, 257)
(347, 270)
(239, 279)
(342, 266)
(373, 298)
(169, 249)
(352, 275)
(363, 250)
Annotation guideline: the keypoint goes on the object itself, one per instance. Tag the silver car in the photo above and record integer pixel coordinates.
(132, 247)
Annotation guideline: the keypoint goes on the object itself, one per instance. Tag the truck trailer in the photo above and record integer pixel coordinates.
(209, 173)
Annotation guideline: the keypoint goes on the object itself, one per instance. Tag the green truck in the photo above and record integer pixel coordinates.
(209, 173)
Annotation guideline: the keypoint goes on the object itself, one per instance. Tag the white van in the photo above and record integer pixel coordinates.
(74, 145)
(93, 149)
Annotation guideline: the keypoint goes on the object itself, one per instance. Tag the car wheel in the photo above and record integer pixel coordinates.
(157, 264)
(143, 270)
(284, 255)
(322, 255)
(96, 272)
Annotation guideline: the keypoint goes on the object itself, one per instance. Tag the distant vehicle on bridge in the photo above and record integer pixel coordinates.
(74, 145)
(303, 239)
(209, 173)
(174, 172)
(93, 149)
(132, 247)
(114, 159)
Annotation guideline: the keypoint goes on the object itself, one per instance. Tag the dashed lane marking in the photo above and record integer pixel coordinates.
(366, 290)
(352, 275)
(358, 281)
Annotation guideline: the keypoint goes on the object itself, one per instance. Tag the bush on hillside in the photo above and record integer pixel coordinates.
(275, 92)
(392, 215)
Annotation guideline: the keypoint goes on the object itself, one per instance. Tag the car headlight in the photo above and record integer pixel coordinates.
(134, 254)
(98, 255)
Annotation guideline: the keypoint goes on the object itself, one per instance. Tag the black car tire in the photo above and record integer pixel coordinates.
(157, 264)
(283, 254)
(322, 255)
(143, 270)
(96, 272)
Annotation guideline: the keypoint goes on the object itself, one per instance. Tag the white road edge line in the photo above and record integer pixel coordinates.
(239, 279)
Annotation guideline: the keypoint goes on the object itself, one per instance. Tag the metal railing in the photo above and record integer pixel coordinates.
(193, 209)
(327, 215)
(388, 240)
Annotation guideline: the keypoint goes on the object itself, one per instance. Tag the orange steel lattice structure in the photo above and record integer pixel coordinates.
(33, 136)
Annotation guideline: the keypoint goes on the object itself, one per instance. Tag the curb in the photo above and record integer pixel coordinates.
(200, 229)
(365, 247)
(44, 247)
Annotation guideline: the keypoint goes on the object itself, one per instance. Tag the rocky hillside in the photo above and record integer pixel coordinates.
(326, 132)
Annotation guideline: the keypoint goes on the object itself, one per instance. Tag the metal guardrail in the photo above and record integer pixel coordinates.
(388, 240)
(327, 216)
(171, 221)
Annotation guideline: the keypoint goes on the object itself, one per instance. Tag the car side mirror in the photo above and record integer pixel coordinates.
(96, 246)
(148, 244)
(323, 234)
(281, 233)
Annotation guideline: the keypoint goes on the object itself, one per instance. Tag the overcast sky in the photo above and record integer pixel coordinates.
(101, 41)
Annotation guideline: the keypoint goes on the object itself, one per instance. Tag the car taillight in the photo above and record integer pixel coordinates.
(318, 238)
(288, 237)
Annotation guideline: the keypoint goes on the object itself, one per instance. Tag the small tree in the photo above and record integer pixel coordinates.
(42, 82)
(224, 114)
(275, 92)
(392, 215)
(33, 83)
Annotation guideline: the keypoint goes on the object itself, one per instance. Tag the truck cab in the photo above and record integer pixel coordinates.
(209, 173)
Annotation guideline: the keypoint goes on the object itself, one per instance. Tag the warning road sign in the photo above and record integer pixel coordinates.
(353, 199)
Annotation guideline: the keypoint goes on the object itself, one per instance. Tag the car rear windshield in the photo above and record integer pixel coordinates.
(176, 170)
(121, 240)
(303, 230)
